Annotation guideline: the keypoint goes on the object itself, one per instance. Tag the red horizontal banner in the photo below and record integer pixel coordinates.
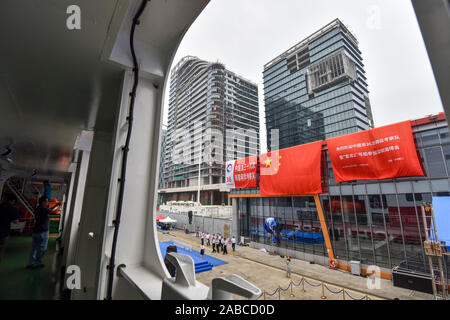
(380, 153)
(291, 171)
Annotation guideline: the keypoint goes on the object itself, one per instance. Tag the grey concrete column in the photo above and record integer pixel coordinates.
(75, 213)
(88, 252)
(69, 195)
(72, 214)
(65, 237)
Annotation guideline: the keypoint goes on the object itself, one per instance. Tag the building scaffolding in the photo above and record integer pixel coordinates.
(436, 253)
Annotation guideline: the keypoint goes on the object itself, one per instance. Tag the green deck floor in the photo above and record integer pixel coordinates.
(17, 282)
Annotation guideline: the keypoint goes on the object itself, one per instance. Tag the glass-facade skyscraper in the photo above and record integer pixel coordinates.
(317, 89)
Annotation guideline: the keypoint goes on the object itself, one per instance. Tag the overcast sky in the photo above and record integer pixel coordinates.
(246, 34)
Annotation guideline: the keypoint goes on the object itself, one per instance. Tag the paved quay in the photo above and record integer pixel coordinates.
(268, 272)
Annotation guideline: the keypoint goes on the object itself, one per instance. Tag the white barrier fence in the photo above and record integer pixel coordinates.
(224, 212)
(205, 224)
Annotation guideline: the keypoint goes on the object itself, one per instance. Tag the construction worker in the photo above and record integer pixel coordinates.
(40, 233)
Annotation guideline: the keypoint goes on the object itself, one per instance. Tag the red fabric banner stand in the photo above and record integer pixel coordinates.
(241, 173)
(380, 153)
(245, 172)
(291, 171)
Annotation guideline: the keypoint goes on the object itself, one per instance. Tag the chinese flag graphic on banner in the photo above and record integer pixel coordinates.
(291, 171)
(380, 153)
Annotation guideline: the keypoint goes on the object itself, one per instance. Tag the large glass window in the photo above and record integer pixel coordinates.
(394, 229)
(410, 223)
(443, 134)
(384, 230)
(289, 224)
(351, 227)
(378, 217)
(338, 231)
(244, 216)
(307, 230)
(446, 151)
(429, 138)
(436, 167)
(279, 214)
(364, 221)
(318, 238)
(257, 220)
(326, 207)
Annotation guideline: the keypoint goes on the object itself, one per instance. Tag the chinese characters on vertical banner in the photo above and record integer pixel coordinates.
(241, 173)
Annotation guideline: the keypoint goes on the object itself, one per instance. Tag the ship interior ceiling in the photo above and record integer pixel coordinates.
(57, 84)
(47, 97)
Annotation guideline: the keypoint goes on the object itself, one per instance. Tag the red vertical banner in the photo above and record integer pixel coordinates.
(380, 153)
(241, 173)
(291, 171)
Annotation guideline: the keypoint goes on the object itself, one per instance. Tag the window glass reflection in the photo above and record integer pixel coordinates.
(435, 162)
(338, 232)
(377, 217)
(429, 138)
(410, 222)
(393, 226)
(364, 221)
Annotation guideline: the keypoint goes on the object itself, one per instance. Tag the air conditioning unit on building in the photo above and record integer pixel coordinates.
(355, 267)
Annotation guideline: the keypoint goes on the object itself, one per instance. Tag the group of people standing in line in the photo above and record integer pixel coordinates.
(217, 241)
(219, 244)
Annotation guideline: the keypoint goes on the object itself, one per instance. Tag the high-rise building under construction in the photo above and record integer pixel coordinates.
(213, 117)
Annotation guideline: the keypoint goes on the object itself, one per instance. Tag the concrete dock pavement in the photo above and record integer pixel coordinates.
(268, 272)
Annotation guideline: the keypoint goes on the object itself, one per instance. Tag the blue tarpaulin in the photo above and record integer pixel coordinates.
(441, 207)
(200, 264)
(291, 235)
